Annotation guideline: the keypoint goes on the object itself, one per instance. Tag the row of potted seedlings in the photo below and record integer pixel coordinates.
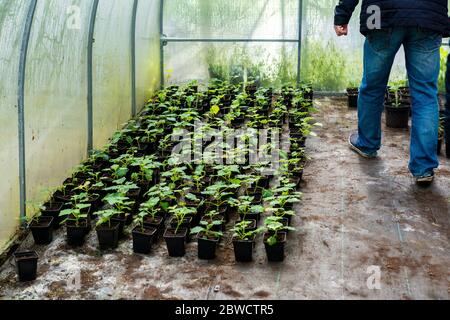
(135, 180)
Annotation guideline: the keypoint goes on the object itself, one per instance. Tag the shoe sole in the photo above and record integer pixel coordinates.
(362, 154)
(426, 181)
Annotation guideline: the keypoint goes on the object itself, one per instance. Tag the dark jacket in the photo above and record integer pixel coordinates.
(428, 14)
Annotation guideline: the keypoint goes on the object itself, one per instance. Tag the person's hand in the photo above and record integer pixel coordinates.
(341, 30)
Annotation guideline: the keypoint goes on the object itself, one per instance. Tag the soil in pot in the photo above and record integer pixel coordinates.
(397, 117)
(143, 238)
(207, 247)
(76, 235)
(219, 228)
(108, 236)
(53, 209)
(250, 216)
(64, 197)
(26, 265)
(253, 225)
(134, 194)
(42, 230)
(275, 253)
(187, 224)
(243, 249)
(156, 223)
(176, 242)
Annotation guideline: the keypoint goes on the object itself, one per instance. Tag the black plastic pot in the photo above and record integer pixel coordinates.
(53, 210)
(121, 221)
(397, 117)
(352, 101)
(207, 248)
(275, 253)
(76, 234)
(176, 242)
(158, 224)
(26, 265)
(243, 250)
(64, 198)
(439, 145)
(108, 236)
(143, 238)
(42, 230)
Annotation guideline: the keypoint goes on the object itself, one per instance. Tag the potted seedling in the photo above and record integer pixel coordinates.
(85, 195)
(218, 198)
(143, 170)
(352, 95)
(152, 215)
(123, 206)
(143, 235)
(285, 215)
(76, 221)
(52, 209)
(247, 208)
(244, 240)
(165, 194)
(207, 239)
(26, 265)
(108, 228)
(128, 188)
(64, 193)
(176, 235)
(283, 196)
(41, 227)
(275, 238)
(397, 110)
(211, 216)
(181, 212)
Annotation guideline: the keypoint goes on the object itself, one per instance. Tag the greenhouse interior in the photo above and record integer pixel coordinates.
(199, 150)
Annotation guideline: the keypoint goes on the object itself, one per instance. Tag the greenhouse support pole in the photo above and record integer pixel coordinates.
(162, 43)
(90, 105)
(21, 108)
(299, 44)
(133, 59)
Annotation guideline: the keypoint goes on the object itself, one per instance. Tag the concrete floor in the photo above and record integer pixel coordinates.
(356, 214)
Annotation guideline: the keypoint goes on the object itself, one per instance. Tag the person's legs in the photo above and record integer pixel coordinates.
(447, 109)
(380, 49)
(422, 63)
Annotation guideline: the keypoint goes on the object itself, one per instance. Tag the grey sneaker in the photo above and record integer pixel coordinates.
(425, 181)
(352, 143)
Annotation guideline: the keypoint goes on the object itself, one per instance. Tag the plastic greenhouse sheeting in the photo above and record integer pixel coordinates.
(56, 88)
(329, 63)
(12, 15)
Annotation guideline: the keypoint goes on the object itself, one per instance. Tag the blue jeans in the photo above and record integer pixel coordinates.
(422, 63)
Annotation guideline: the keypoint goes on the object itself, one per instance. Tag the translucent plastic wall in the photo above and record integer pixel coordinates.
(12, 15)
(329, 63)
(56, 87)
(231, 19)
